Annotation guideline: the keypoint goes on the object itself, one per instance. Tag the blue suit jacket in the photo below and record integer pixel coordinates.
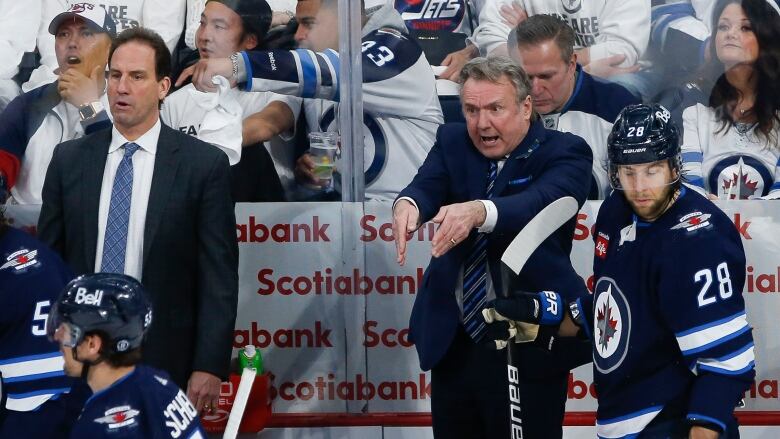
(545, 166)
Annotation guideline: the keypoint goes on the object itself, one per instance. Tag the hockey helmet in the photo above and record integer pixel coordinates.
(642, 133)
(111, 303)
(255, 15)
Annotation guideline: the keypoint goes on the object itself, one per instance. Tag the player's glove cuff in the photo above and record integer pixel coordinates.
(543, 308)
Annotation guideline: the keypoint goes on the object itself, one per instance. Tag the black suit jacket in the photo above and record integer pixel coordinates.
(545, 166)
(190, 253)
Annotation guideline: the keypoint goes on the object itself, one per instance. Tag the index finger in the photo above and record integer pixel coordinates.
(186, 73)
(400, 226)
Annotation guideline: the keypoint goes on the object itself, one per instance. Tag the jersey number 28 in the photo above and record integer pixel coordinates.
(724, 284)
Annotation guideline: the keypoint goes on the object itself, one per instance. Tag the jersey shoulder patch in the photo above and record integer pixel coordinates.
(693, 221)
(20, 261)
(123, 416)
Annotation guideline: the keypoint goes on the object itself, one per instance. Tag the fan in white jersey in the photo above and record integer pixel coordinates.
(401, 108)
(568, 98)
(731, 146)
(231, 118)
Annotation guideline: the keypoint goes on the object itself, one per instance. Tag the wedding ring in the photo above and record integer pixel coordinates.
(452, 240)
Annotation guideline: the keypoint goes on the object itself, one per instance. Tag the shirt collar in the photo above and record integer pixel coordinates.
(147, 141)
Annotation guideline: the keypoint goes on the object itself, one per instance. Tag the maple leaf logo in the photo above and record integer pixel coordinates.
(119, 417)
(739, 185)
(605, 323)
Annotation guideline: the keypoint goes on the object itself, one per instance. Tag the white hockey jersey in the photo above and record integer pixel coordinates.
(217, 119)
(400, 104)
(728, 163)
(590, 112)
(607, 27)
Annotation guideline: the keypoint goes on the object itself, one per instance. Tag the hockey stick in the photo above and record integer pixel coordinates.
(239, 403)
(547, 221)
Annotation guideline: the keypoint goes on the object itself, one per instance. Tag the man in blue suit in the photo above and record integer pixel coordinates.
(481, 183)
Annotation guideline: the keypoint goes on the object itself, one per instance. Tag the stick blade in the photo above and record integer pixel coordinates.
(547, 221)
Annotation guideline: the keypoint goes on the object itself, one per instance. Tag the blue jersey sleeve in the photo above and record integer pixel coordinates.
(700, 295)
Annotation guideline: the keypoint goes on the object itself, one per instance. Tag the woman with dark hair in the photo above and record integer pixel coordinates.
(731, 145)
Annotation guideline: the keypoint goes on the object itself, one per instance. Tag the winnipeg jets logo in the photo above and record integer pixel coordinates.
(571, 6)
(693, 221)
(20, 260)
(606, 324)
(611, 327)
(432, 14)
(741, 177)
(742, 184)
(117, 417)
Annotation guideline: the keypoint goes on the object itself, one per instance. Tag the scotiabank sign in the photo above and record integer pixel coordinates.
(323, 297)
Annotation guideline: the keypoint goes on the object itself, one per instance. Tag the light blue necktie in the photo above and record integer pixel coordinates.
(115, 241)
(475, 274)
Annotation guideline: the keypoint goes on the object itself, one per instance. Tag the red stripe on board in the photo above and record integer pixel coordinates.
(424, 419)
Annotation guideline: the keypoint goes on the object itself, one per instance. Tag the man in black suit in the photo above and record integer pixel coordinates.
(482, 182)
(145, 200)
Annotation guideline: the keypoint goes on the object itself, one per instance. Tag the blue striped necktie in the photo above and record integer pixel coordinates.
(115, 240)
(475, 274)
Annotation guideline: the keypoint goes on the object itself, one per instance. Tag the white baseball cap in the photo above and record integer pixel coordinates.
(92, 14)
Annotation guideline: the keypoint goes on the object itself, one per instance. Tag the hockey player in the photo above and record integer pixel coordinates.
(36, 390)
(99, 321)
(568, 98)
(401, 107)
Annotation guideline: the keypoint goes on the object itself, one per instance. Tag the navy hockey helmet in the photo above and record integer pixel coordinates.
(111, 303)
(642, 133)
(255, 15)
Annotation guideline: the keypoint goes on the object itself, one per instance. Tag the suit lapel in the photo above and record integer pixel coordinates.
(166, 163)
(476, 174)
(92, 180)
(517, 158)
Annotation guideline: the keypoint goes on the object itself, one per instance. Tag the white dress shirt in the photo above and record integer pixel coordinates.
(143, 169)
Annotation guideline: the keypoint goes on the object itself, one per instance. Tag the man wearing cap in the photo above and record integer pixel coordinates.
(401, 107)
(226, 27)
(74, 105)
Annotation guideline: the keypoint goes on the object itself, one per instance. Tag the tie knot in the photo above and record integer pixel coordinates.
(131, 148)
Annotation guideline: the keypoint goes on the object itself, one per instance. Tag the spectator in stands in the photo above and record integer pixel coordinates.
(611, 36)
(228, 26)
(401, 108)
(731, 144)
(18, 26)
(568, 98)
(74, 105)
(165, 17)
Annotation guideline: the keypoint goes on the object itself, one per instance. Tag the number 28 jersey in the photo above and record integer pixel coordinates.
(669, 323)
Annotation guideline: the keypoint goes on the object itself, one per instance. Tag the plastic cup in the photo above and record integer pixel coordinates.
(322, 149)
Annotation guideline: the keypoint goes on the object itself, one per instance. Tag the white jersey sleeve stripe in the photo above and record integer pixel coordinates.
(705, 336)
(627, 425)
(732, 364)
(25, 366)
(24, 402)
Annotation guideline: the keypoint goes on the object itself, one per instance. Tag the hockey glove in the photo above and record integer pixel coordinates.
(543, 308)
(497, 332)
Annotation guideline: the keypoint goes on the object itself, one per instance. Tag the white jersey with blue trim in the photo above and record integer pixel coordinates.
(31, 278)
(669, 327)
(589, 113)
(144, 404)
(400, 104)
(608, 27)
(734, 163)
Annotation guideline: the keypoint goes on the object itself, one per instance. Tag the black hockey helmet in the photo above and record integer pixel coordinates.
(255, 15)
(642, 133)
(111, 303)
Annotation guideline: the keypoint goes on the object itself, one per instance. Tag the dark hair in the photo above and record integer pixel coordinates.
(112, 357)
(162, 57)
(765, 22)
(541, 28)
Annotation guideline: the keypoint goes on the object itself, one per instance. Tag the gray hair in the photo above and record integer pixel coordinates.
(494, 69)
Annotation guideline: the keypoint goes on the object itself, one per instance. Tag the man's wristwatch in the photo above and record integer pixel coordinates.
(90, 110)
(234, 60)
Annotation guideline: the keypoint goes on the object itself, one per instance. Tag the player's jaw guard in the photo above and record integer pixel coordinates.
(643, 134)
